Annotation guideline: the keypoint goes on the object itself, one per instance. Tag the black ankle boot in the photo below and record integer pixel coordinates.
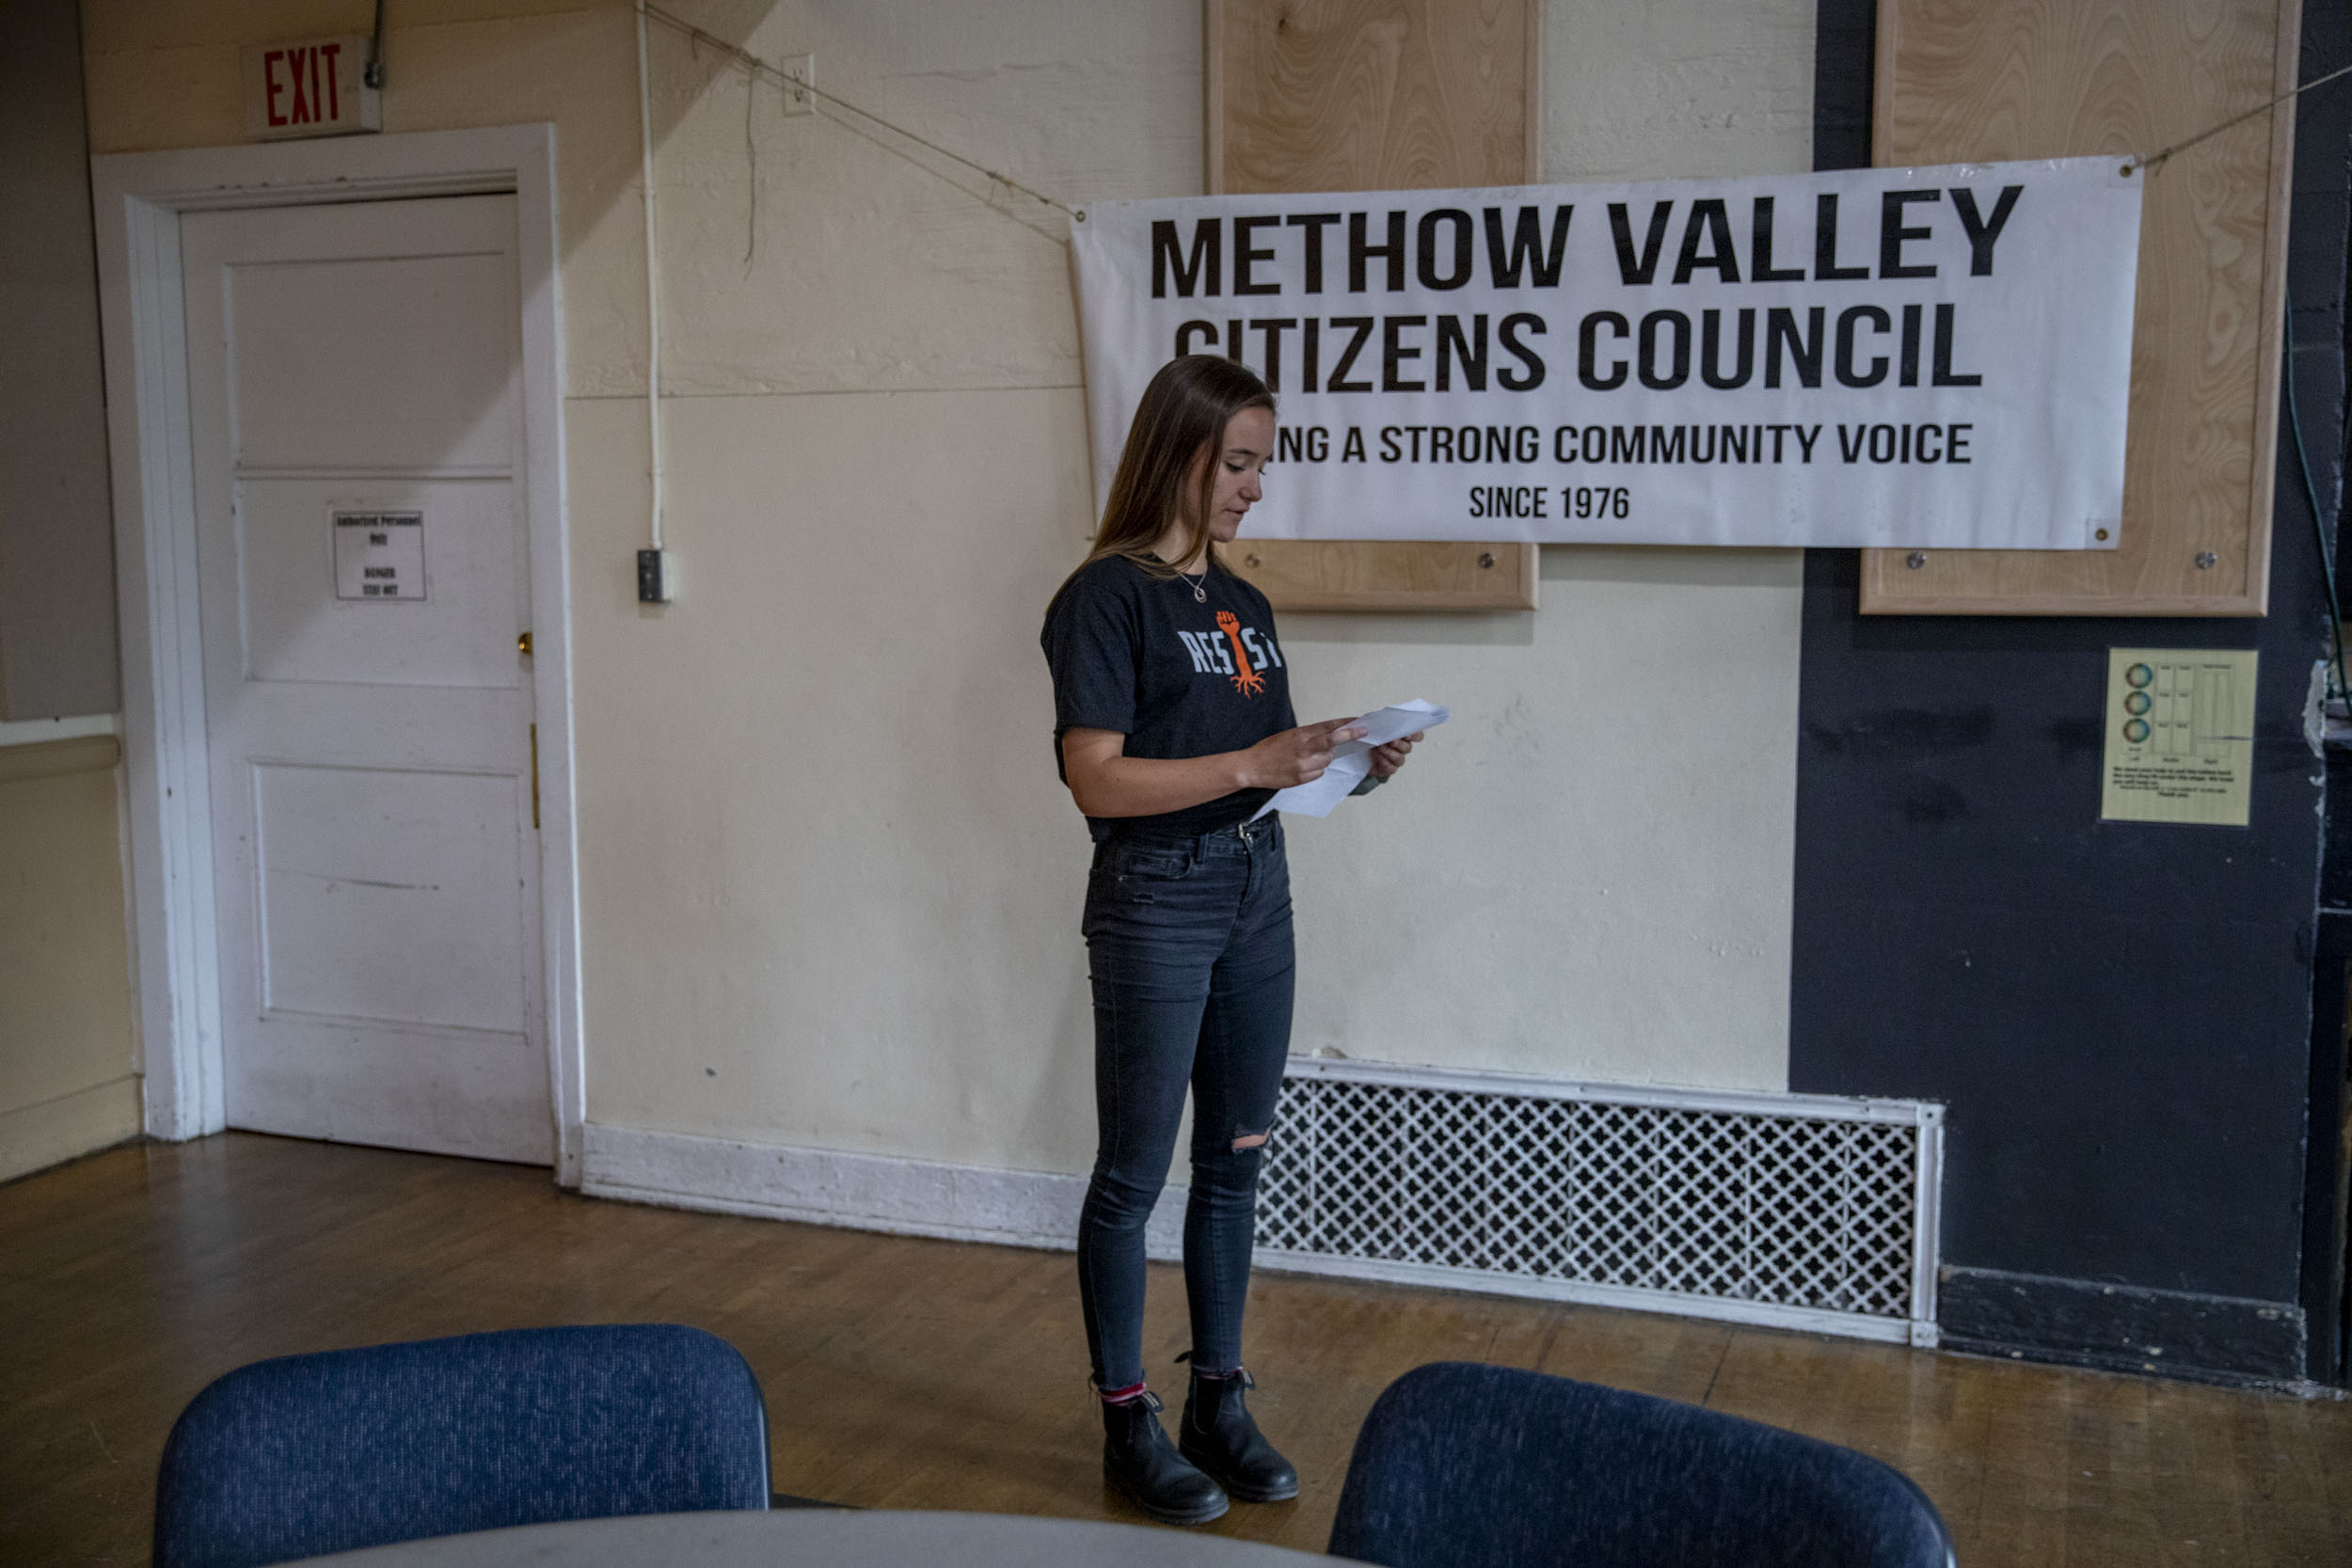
(1221, 1437)
(1138, 1460)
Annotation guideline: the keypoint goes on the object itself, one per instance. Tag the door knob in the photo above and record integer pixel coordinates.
(522, 645)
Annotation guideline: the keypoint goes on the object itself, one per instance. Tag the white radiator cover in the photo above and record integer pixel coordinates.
(1794, 1210)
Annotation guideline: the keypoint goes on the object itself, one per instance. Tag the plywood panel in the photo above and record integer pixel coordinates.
(1376, 575)
(2055, 79)
(1357, 95)
(1371, 95)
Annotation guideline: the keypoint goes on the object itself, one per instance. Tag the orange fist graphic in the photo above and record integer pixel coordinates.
(1248, 683)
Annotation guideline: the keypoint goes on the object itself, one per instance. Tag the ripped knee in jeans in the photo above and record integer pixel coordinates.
(1244, 1142)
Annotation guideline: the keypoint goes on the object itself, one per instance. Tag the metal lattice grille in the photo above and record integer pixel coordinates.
(1781, 1210)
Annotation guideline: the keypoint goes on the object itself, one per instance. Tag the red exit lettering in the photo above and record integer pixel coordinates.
(306, 78)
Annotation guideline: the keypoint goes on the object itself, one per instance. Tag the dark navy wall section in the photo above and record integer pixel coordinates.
(2117, 1015)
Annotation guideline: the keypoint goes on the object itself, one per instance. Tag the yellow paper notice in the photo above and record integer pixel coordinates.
(2180, 725)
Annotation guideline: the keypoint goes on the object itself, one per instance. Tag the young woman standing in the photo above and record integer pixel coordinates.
(1172, 727)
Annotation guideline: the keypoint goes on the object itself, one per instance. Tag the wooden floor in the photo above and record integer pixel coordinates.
(907, 1373)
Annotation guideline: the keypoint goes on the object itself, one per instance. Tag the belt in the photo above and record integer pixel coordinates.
(1256, 830)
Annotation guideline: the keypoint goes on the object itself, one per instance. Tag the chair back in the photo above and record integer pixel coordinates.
(311, 1455)
(1466, 1466)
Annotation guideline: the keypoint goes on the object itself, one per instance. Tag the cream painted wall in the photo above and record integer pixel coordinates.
(67, 1075)
(830, 886)
(1677, 89)
(879, 475)
(1587, 872)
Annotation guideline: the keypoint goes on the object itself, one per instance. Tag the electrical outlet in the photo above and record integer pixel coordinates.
(801, 68)
(654, 581)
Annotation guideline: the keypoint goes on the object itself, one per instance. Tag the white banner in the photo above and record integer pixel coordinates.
(1919, 357)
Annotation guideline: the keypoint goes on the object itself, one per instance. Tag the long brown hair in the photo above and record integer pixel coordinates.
(1181, 420)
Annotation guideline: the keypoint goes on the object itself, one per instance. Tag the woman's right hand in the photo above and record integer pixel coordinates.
(1297, 756)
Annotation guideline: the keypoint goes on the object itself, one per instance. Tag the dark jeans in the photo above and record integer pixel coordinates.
(1188, 943)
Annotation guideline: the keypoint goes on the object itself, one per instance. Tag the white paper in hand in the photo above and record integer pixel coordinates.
(1352, 759)
(1383, 726)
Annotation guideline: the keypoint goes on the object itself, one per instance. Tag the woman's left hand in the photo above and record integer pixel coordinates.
(1388, 759)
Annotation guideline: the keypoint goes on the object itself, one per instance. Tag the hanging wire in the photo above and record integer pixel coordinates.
(2155, 161)
(653, 288)
(2151, 162)
(751, 157)
(373, 76)
(792, 84)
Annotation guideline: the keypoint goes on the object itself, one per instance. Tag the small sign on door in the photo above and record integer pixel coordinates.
(379, 555)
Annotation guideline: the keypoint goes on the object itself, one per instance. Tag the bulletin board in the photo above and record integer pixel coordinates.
(1354, 95)
(2057, 78)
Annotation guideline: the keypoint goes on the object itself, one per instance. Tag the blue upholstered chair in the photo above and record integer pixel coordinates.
(1461, 1466)
(311, 1455)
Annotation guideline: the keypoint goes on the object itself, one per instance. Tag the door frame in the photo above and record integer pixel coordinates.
(139, 197)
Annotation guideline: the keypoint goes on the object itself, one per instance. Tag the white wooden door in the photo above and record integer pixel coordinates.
(353, 378)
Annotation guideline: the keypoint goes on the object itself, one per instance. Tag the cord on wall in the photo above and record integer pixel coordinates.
(657, 577)
(800, 87)
(373, 76)
(656, 571)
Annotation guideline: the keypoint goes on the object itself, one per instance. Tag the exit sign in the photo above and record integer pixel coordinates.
(310, 88)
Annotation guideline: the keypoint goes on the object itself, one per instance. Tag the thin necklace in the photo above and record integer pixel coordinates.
(1200, 587)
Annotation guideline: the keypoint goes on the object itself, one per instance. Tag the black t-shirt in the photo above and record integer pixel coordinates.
(1138, 655)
